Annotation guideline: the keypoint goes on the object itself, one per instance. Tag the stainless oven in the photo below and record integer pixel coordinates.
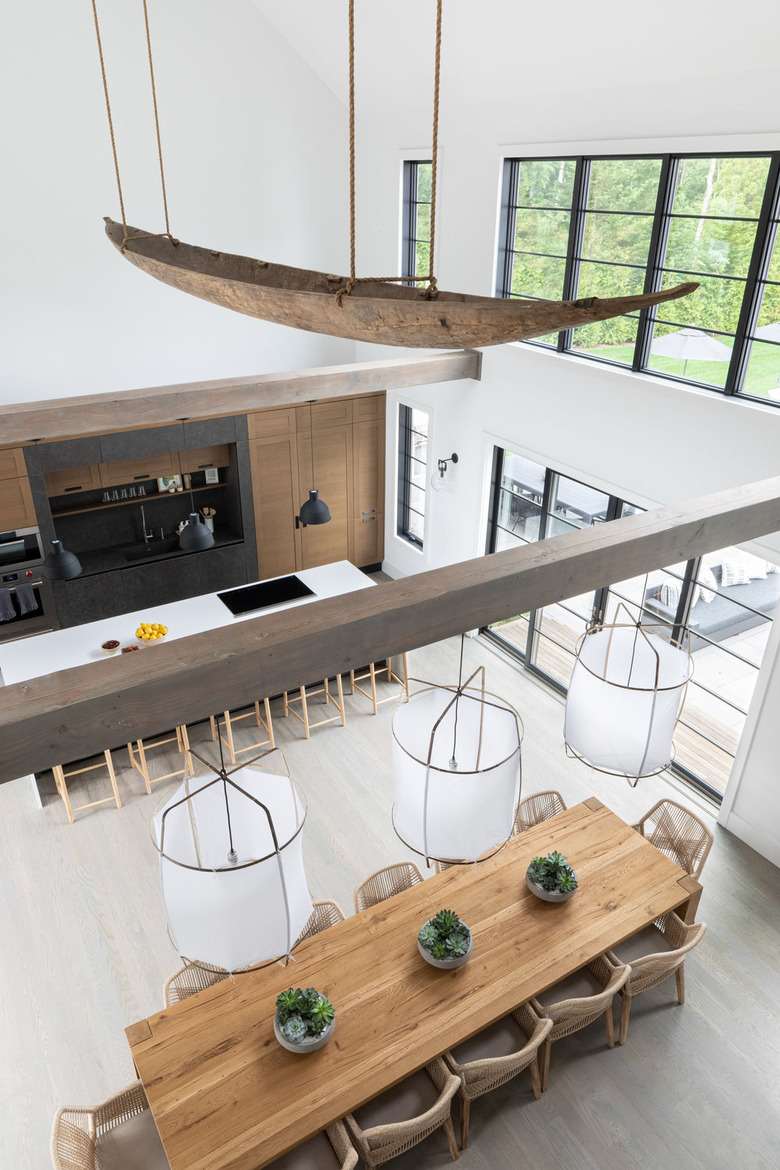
(20, 549)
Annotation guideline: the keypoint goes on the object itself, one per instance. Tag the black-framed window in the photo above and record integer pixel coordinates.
(412, 473)
(725, 601)
(619, 225)
(416, 230)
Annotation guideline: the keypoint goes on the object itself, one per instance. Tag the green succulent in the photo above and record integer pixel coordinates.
(445, 936)
(303, 1013)
(553, 873)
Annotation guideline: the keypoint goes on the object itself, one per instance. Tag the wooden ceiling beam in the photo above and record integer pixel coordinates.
(97, 414)
(75, 713)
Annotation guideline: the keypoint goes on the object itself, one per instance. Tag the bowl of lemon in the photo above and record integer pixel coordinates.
(151, 631)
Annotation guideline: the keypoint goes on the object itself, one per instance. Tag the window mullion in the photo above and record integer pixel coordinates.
(667, 184)
(759, 263)
(571, 274)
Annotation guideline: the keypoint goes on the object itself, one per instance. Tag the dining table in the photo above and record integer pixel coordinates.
(226, 1096)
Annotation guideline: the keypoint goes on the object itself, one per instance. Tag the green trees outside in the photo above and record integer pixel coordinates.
(711, 237)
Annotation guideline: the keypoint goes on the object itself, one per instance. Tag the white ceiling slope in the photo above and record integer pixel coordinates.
(505, 54)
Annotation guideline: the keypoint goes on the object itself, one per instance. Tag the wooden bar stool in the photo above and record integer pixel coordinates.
(60, 777)
(227, 739)
(373, 673)
(139, 750)
(305, 694)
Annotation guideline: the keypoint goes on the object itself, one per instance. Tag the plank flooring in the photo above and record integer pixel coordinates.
(85, 952)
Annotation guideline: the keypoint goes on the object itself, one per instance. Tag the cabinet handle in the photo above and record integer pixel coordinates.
(77, 488)
(144, 476)
(202, 465)
(369, 511)
(366, 519)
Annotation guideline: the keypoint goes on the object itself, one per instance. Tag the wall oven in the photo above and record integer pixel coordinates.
(26, 597)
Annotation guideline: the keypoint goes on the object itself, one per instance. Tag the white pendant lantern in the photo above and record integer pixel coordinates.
(456, 758)
(231, 865)
(625, 695)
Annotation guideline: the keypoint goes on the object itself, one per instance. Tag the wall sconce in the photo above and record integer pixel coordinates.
(443, 479)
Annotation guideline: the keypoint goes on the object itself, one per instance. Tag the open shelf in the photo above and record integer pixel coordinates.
(100, 507)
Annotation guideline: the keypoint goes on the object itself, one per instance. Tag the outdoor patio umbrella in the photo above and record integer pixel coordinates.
(691, 345)
(768, 332)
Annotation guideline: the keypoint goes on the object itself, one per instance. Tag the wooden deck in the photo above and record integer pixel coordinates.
(692, 748)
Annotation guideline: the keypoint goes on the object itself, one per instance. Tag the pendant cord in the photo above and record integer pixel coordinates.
(457, 700)
(311, 439)
(431, 292)
(110, 119)
(156, 120)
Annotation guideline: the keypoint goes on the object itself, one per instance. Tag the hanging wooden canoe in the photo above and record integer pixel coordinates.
(389, 314)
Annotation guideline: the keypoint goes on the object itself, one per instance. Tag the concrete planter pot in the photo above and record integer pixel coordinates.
(548, 895)
(447, 964)
(309, 1044)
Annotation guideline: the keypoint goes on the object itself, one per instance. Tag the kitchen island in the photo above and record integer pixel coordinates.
(81, 645)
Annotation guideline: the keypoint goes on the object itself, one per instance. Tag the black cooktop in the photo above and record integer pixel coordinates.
(265, 593)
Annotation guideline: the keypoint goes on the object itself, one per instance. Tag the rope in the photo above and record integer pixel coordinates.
(157, 125)
(346, 290)
(110, 120)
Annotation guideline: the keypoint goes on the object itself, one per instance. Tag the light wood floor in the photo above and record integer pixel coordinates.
(85, 952)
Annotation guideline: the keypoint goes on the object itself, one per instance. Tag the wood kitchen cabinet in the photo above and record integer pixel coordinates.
(349, 444)
(12, 465)
(72, 479)
(274, 464)
(16, 504)
(201, 458)
(147, 467)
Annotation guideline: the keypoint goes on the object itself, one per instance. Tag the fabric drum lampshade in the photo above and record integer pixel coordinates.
(456, 758)
(625, 694)
(234, 914)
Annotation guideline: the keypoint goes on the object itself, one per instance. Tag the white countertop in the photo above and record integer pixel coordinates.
(80, 645)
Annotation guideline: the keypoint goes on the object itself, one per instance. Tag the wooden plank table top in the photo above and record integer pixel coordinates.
(226, 1096)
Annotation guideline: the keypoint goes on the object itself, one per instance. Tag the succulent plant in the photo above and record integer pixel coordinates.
(303, 1013)
(553, 873)
(445, 936)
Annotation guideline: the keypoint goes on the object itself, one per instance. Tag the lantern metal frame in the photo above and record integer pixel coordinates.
(643, 629)
(458, 691)
(232, 862)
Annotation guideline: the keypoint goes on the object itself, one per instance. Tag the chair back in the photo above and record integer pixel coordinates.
(384, 883)
(539, 807)
(190, 980)
(677, 833)
(323, 915)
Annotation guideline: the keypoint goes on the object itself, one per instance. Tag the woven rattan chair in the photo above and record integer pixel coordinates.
(677, 833)
(402, 1116)
(191, 979)
(120, 1133)
(386, 882)
(330, 1149)
(323, 915)
(539, 807)
(578, 1001)
(494, 1056)
(654, 954)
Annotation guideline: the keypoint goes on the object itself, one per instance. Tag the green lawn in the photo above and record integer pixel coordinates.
(763, 376)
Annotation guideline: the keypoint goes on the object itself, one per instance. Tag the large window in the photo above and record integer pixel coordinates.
(725, 601)
(412, 467)
(579, 227)
(416, 232)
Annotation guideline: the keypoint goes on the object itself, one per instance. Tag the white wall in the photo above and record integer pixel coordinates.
(249, 138)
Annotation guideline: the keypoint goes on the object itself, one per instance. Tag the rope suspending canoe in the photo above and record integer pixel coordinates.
(388, 314)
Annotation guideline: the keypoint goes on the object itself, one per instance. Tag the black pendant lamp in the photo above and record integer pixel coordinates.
(60, 565)
(314, 510)
(195, 536)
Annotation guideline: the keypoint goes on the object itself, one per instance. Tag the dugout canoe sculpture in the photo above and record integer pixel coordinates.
(387, 314)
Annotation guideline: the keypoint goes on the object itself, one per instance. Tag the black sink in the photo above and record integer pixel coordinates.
(153, 548)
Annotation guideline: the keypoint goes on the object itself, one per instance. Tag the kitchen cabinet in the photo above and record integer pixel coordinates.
(16, 503)
(147, 467)
(201, 458)
(274, 464)
(72, 479)
(349, 469)
(12, 465)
